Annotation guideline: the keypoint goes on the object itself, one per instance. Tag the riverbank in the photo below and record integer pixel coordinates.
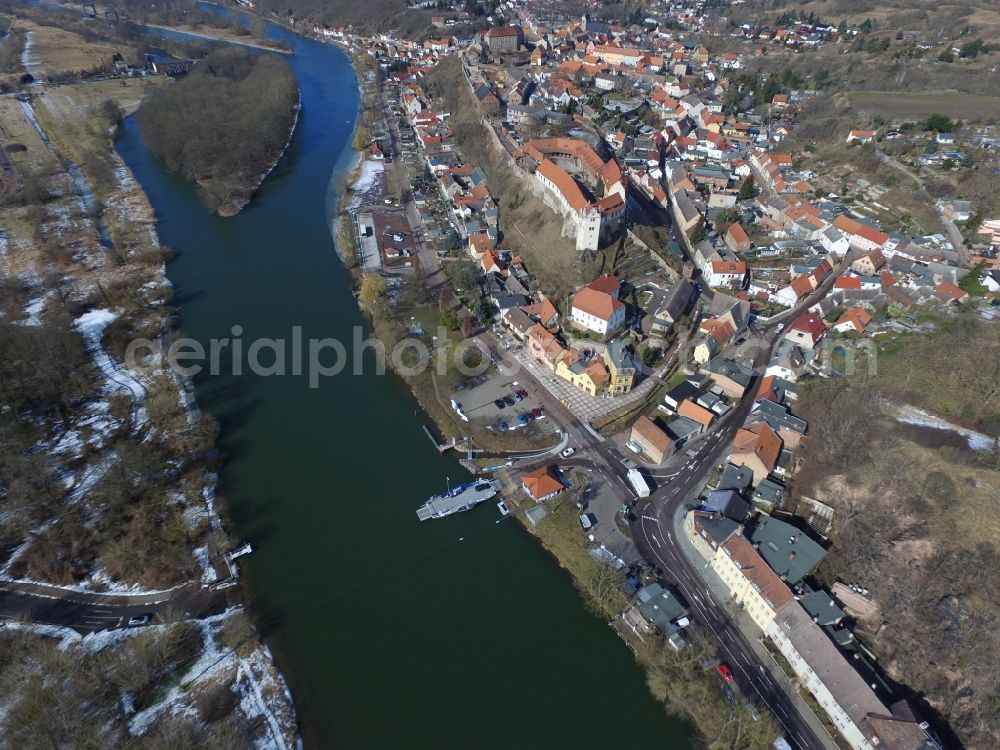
(325, 479)
(81, 250)
(221, 36)
(243, 202)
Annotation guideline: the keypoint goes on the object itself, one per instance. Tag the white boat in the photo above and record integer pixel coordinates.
(461, 498)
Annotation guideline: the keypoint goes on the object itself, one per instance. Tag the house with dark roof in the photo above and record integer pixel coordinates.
(681, 430)
(820, 606)
(768, 495)
(790, 552)
(790, 429)
(726, 503)
(735, 478)
(660, 607)
(732, 377)
(683, 390)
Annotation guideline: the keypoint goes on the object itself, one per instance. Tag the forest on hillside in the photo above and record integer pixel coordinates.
(224, 125)
(915, 514)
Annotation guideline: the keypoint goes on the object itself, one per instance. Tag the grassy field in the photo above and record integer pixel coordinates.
(983, 16)
(79, 125)
(900, 105)
(52, 50)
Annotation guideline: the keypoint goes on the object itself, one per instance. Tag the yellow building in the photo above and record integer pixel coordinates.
(751, 582)
(621, 368)
(587, 376)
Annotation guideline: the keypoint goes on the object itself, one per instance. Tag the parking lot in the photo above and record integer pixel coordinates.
(493, 400)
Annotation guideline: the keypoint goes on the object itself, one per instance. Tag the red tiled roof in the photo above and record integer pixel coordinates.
(564, 183)
(606, 283)
(598, 304)
(811, 323)
(729, 266)
(857, 317)
(760, 440)
(801, 286)
(847, 282)
(850, 226)
(756, 570)
(738, 235)
(697, 412)
(646, 428)
(541, 483)
(947, 290)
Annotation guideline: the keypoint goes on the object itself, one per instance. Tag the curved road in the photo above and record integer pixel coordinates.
(87, 613)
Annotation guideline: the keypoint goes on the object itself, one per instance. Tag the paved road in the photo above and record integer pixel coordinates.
(954, 235)
(652, 524)
(87, 613)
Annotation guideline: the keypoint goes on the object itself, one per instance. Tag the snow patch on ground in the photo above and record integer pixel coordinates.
(208, 495)
(912, 415)
(33, 310)
(97, 582)
(208, 574)
(92, 431)
(255, 677)
(369, 180)
(91, 326)
(65, 635)
(88, 478)
(212, 662)
(29, 60)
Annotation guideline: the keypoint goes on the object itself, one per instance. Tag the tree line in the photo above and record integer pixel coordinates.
(224, 124)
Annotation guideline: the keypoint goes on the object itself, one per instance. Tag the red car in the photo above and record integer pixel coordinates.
(725, 672)
(522, 393)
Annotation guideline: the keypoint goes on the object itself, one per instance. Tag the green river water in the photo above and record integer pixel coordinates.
(458, 633)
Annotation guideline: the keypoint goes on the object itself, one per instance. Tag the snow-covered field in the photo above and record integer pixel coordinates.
(254, 678)
(368, 184)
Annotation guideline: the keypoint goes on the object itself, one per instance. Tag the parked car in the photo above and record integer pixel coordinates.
(504, 427)
(725, 672)
(508, 400)
(522, 418)
(588, 521)
(516, 396)
(136, 621)
(536, 412)
(568, 452)
(633, 447)
(499, 403)
(522, 393)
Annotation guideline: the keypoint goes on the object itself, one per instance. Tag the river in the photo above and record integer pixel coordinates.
(392, 633)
